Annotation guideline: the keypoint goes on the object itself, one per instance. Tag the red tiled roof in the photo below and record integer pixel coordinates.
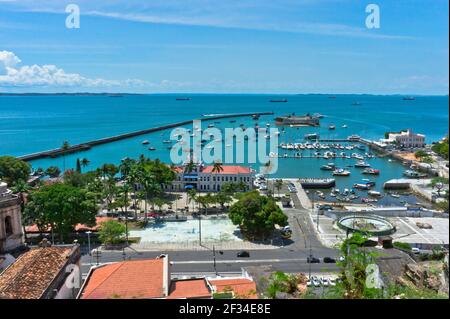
(242, 287)
(126, 280)
(78, 227)
(195, 288)
(33, 272)
(228, 169)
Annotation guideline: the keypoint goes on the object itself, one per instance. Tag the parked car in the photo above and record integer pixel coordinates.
(329, 260)
(243, 254)
(312, 260)
(325, 207)
(415, 250)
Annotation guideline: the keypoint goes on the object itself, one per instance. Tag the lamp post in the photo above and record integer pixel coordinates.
(200, 229)
(88, 233)
(214, 256)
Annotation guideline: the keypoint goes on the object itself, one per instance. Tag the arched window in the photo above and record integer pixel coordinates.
(8, 226)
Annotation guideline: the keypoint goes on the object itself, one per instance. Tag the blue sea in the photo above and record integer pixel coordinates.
(30, 124)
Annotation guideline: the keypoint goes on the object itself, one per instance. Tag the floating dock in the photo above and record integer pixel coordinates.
(317, 182)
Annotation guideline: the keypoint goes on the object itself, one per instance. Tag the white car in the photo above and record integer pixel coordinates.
(316, 283)
(415, 250)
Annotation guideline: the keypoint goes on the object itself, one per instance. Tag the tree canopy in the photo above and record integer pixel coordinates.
(256, 215)
(13, 169)
(61, 206)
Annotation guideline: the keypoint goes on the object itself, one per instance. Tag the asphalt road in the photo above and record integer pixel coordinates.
(290, 258)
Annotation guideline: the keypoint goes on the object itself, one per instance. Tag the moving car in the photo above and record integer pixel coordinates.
(243, 254)
(329, 260)
(312, 260)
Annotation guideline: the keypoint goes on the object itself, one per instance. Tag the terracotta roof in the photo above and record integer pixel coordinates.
(126, 280)
(78, 227)
(242, 287)
(33, 272)
(228, 169)
(194, 288)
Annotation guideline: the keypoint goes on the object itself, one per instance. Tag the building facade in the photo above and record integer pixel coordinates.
(205, 179)
(11, 236)
(407, 139)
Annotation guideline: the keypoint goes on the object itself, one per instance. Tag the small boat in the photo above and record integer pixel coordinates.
(211, 125)
(374, 193)
(146, 142)
(152, 148)
(278, 100)
(233, 121)
(414, 174)
(341, 172)
(362, 164)
(313, 136)
(369, 200)
(344, 126)
(332, 127)
(409, 98)
(328, 167)
(183, 99)
(395, 195)
(371, 171)
(318, 115)
(167, 141)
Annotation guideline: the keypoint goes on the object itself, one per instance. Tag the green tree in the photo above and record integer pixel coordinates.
(53, 171)
(222, 198)
(112, 232)
(217, 168)
(78, 166)
(257, 215)
(13, 169)
(192, 197)
(441, 148)
(278, 186)
(85, 162)
(62, 207)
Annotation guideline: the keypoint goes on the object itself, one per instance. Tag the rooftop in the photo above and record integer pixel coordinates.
(127, 280)
(241, 287)
(193, 288)
(228, 169)
(33, 272)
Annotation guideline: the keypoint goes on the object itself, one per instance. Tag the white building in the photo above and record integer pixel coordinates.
(205, 179)
(407, 139)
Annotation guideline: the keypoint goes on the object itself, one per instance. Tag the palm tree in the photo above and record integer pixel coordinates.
(84, 162)
(192, 197)
(217, 168)
(189, 167)
(65, 146)
(278, 185)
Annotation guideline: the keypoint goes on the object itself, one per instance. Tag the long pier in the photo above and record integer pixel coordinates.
(86, 146)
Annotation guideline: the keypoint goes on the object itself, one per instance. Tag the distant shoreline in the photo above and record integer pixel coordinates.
(206, 94)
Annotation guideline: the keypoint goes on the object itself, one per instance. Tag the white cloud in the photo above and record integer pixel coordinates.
(50, 75)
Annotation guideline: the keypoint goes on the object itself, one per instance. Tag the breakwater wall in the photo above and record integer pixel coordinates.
(87, 145)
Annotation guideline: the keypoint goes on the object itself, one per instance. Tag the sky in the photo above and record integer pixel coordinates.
(227, 46)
